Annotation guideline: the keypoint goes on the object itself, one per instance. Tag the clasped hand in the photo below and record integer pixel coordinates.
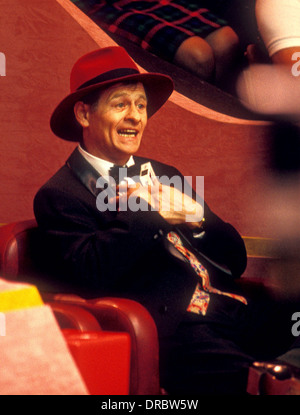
(173, 205)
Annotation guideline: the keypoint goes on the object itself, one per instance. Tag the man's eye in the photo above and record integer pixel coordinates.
(141, 106)
(120, 105)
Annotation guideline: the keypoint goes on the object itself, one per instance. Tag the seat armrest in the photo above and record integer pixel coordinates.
(74, 317)
(119, 314)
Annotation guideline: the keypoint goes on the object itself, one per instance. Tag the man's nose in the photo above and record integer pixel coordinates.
(133, 114)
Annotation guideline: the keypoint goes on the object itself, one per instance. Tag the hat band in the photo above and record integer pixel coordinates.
(109, 76)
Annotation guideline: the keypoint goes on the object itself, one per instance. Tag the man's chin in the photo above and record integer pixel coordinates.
(129, 150)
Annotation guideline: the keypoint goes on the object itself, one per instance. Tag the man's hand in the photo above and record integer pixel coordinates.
(173, 205)
(177, 207)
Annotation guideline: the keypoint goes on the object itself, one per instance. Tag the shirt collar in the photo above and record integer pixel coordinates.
(102, 166)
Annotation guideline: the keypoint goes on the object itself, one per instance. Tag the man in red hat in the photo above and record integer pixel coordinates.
(143, 240)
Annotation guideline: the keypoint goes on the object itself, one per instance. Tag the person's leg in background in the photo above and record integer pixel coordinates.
(211, 58)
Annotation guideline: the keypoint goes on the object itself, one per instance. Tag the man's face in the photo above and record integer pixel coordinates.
(116, 124)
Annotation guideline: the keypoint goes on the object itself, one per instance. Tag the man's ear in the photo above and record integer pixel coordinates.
(81, 111)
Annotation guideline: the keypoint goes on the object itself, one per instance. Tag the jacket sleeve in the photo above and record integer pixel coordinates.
(222, 243)
(217, 239)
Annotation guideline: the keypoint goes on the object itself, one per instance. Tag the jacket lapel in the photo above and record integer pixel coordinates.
(85, 172)
(89, 176)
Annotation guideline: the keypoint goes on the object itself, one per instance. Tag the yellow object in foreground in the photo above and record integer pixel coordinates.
(16, 296)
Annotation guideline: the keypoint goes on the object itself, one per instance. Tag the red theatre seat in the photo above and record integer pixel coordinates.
(102, 357)
(107, 314)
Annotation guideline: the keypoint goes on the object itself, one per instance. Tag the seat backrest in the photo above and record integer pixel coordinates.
(16, 256)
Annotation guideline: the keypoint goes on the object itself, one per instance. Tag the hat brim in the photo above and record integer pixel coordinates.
(158, 89)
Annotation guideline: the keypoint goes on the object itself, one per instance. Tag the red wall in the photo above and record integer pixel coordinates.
(41, 41)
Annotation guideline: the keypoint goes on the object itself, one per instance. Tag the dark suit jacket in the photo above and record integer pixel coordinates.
(125, 253)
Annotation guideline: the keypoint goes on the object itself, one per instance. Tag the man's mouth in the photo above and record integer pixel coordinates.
(128, 133)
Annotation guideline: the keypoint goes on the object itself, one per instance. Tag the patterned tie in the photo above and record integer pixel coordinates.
(200, 299)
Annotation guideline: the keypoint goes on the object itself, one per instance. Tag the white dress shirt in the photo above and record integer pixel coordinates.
(102, 166)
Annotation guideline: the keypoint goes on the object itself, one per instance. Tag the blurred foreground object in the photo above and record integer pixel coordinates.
(35, 359)
(271, 90)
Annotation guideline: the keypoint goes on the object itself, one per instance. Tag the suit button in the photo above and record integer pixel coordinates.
(163, 309)
(158, 234)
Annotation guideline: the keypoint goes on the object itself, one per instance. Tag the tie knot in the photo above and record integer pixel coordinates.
(118, 173)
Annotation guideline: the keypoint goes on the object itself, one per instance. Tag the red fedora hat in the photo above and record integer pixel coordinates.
(102, 68)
